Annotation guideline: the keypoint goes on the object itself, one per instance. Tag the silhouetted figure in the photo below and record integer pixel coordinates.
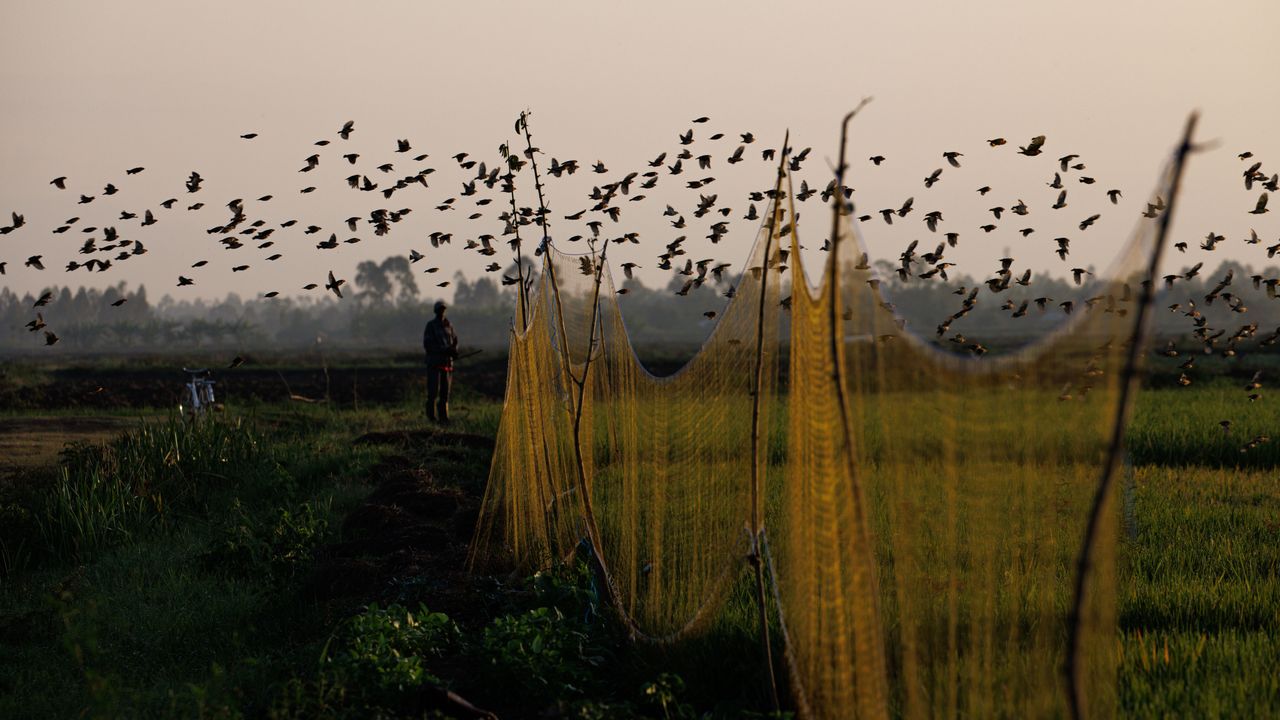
(441, 346)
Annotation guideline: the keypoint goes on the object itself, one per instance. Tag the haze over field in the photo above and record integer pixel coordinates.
(94, 89)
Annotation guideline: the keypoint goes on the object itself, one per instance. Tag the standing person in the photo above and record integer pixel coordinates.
(441, 345)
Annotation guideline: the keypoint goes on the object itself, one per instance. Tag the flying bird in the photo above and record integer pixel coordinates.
(334, 284)
(1032, 148)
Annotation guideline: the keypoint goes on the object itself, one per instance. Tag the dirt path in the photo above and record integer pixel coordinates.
(35, 441)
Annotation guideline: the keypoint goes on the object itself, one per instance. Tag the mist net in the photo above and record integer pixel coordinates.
(670, 466)
(921, 505)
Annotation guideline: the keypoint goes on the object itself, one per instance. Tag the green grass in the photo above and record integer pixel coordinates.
(1200, 595)
(116, 609)
(166, 577)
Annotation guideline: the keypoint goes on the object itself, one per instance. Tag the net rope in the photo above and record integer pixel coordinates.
(664, 457)
(920, 508)
(936, 537)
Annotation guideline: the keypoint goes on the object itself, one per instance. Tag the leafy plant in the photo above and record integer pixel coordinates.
(383, 653)
(664, 695)
(540, 654)
(570, 587)
(279, 548)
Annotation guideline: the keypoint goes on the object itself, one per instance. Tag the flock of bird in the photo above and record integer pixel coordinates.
(689, 166)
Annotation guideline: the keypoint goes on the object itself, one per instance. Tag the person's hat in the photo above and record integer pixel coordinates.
(441, 305)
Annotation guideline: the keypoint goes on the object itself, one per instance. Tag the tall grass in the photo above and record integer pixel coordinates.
(90, 510)
(105, 495)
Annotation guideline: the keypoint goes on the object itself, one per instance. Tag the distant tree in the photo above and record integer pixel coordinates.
(397, 266)
(372, 283)
(484, 293)
(461, 290)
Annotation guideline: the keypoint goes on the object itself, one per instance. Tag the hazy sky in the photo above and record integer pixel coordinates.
(93, 88)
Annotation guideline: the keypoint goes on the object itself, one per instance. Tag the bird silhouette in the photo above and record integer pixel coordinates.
(1034, 147)
(334, 284)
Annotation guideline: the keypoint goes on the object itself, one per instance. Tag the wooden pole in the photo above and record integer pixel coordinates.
(593, 531)
(515, 225)
(546, 247)
(841, 386)
(755, 558)
(1115, 451)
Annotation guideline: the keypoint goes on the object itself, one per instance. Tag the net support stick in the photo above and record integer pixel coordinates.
(1115, 451)
(756, 463)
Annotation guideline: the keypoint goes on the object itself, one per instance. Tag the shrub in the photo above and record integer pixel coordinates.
(541, 655)
(278, 548)
(663, 694)
(388, 649)
(375, 665)
(570, 587)
(106, 494)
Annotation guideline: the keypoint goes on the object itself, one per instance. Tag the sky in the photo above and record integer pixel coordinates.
(93, 88)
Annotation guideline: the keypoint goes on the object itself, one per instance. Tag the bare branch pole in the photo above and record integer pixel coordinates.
(580, 383)
(841, 385)
(545, 246)
(756, 481)
(840, 186)
(514, 225)
(1133, 359)
(530, 152)
(548, 261)
(513, 164)
(593, 531)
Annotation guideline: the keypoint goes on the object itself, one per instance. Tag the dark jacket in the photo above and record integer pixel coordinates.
(440, 343)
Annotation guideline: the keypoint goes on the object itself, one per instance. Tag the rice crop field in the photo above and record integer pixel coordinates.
(285, 559)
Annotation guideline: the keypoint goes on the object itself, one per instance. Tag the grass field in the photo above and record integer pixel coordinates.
(299, 560)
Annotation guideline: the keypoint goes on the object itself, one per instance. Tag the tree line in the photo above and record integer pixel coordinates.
(386, 309)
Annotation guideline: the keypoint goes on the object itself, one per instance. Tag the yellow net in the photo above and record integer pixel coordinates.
(922, 505)
(667, 462)
(531, 514)
(926, 542)
(937, 540)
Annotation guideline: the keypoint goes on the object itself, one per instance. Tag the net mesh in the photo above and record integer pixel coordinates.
(922, 506)
(925, 545)
(666, 492)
